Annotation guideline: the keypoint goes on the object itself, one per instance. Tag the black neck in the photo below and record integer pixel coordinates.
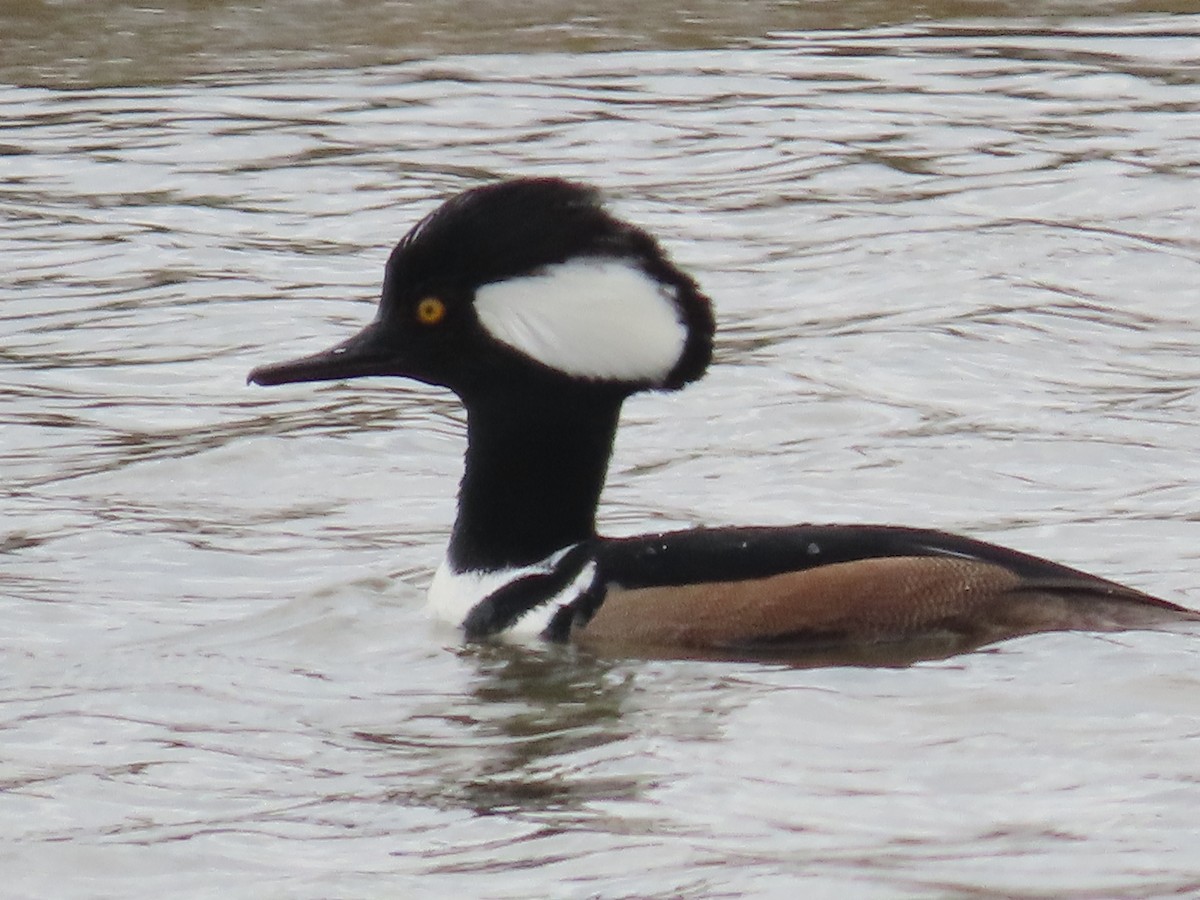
(535, 465)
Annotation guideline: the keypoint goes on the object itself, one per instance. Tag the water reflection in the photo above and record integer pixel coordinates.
(519, 739)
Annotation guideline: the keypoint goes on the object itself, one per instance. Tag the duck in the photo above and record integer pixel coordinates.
(543, 311)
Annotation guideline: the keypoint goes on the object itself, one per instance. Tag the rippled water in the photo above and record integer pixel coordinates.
(955, 267)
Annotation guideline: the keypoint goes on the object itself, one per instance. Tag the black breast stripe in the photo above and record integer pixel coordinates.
(577, 613)
(504, 606)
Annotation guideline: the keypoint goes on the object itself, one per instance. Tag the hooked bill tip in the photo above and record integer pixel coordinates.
(295, 370)
(359, 356)
(261, 376)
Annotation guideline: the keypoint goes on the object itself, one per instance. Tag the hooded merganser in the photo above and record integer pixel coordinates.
(543, 312)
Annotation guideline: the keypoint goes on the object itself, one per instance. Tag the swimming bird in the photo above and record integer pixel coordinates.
(543, 312)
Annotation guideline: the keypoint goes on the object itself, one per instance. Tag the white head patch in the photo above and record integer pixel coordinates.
(593, 318)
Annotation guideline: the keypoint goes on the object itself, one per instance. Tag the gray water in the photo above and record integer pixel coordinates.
(955, 263)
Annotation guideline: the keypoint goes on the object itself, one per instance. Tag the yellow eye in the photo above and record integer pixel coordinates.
(430, 311)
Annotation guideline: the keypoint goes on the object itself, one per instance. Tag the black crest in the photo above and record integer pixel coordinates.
(513, 228)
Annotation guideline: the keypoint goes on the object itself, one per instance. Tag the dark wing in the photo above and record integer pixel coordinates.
(738, 553)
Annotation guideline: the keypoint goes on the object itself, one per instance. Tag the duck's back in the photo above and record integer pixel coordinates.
(850, 585)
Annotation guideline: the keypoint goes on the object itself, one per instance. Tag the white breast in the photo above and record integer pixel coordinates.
(452, 594)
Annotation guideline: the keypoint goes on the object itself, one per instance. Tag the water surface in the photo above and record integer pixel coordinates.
(954, 261)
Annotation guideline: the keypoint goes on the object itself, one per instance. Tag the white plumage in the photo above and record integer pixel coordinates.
(594, 317)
